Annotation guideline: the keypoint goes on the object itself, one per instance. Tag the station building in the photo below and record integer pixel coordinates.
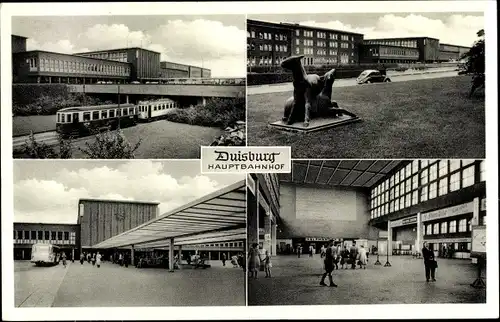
(123, 65)
(427, 47)
(449, 52)
(391, 205)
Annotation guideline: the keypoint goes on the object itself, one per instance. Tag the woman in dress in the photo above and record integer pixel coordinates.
(362, 257)
(254, 260)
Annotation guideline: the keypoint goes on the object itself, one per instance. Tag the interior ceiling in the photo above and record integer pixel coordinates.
(348, 173)
(222, 210)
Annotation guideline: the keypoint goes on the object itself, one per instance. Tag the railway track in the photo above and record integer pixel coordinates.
(49, 138)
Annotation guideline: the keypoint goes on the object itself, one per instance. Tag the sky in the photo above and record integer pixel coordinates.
(451, 28)
(48, 191)
(217, 42)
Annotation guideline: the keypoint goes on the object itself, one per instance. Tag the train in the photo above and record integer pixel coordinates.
(156, 109)
(84, 120)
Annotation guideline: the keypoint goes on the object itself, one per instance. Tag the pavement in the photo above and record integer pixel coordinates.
(114, 286)
(295, 281)
(401, 77)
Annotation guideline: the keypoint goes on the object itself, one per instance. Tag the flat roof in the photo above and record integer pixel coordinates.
(90, 108)
(117, 49)
(19, 36)
(390, 46)
(43, 223)
(72, 55)
(118, 201)
(398, 38)
(454, 45)
(220, 211)
(296, 25)
(171, 62)
(269, 24)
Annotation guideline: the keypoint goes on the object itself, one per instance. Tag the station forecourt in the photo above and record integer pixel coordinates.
(390, 207)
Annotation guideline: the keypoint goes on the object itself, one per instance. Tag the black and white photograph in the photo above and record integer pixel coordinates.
(365, 85)
(121, 87)
(127, 234)
(349, 232)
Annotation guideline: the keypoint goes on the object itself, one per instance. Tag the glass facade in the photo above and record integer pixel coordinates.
(423, 180)
(45, 237)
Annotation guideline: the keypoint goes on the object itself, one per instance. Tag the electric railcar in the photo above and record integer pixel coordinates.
(157, 109)
(83, 120)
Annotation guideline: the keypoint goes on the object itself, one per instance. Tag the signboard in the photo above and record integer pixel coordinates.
(404, 221)
(325, 239)
(449, 240)
(267, 237)
(478, 241)
(449, 212)
(483, 204)
(261, 231)
(383, 234)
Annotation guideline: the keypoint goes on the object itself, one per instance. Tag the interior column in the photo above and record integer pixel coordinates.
(419, 241)
(267, 231)
(389, 238)
(132, 256)
(273, 237)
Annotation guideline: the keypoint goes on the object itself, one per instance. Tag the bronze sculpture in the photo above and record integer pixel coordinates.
(311, 94)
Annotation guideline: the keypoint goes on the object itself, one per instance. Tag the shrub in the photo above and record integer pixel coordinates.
(37, 150)
(217, 112)
(110, 145)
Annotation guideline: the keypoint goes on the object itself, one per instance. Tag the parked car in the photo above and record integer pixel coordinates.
(372, 76)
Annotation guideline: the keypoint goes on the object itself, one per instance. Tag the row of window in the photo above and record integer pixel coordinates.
(399, 43)
(234, 244)
(323, 52)
(68, 117)
(323, 35)
(459, 247)
(266, 35)
(158, 107)
(38, 235)
(411, 184)
(64, 66)
(448, 227)
(394, 52)
(266, 47)
(116, 56)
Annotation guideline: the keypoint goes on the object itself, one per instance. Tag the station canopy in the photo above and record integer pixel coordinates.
(218, 216)
(349, 173)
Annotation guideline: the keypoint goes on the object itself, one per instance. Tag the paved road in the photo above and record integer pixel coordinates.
(286, 87)
(295, 281)
(114, 286)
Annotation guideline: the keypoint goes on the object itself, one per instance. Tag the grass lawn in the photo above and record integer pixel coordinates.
(163, 140)
(431, 118)
(22, 125)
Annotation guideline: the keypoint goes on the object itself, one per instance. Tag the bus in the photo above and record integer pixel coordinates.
(45, 254)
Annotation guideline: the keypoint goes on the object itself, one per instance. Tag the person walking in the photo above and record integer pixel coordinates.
(363, 258)
(88, 258)
(353, 252)
(82, 258)
(299, 250)
(98, 260)
(336, 256)
(254, 260)
(311, 250)
(267, 264)
(93, 259)
(64, 259)
(328, 266)
(322, 251)
(429, 263)
(223, 259)
(344, 257)
(120, 259)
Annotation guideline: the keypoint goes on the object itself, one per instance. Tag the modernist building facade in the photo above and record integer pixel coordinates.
(269, 43)
(438, 201)
(66, 236)
(123, 65)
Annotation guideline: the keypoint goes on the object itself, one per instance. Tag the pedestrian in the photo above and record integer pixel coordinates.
(311, 250)
(336, 257)
(120, 259)
(73, 256)
(82, 258)
(126, 259)
(93, 259)
(254, 260)
(322, 251)
(267, 264)
(299, 250)
(344, 257)
(64, 259)
(353, 252)
(363, 258)
(88, 258)
(328, 266)
(98, 260)
(429, 263)
(223, 259)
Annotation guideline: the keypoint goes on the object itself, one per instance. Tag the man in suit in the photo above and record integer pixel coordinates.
(429, 263)
(328, 266)
(353, 252)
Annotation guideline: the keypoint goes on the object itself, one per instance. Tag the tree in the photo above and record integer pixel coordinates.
(475, 63)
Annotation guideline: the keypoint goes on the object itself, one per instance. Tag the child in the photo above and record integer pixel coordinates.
(267, 264)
